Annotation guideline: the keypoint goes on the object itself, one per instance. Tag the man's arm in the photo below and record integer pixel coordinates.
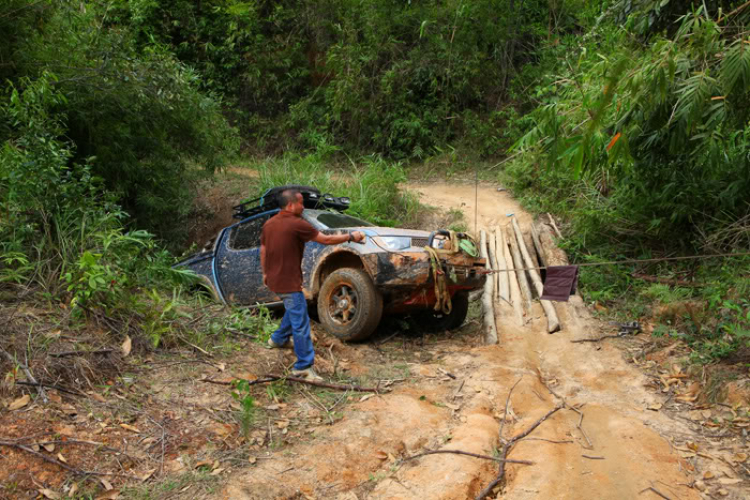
(335, 239)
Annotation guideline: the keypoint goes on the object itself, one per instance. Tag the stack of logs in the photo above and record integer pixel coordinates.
(516, 256)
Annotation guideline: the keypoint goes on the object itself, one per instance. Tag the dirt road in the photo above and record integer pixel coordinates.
(450, 393)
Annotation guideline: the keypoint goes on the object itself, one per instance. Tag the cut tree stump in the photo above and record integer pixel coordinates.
(488, 309)
(553, 323)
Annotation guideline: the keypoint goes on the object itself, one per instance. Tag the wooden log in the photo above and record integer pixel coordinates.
(488, 310)
(503, 284)
(553, 323)
(553, 255)
(514, 290)
(529, 245)
(492, 249)
(538, 245)
(523, 282)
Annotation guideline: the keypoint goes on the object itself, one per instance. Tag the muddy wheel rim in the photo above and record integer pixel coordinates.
(343, 303)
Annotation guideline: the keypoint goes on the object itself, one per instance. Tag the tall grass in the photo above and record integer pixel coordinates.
(372, 185)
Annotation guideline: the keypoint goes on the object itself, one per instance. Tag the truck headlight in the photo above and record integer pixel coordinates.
(395, 242)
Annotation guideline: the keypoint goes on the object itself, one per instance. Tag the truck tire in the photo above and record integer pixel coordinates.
(439, 322)
(349, 305)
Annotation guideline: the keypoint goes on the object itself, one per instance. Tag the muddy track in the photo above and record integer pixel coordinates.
(453, 395)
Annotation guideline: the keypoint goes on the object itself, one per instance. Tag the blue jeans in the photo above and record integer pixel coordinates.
(296, 322)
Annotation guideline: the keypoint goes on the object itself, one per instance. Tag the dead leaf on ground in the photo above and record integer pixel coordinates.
(47, 493)
(130, 428)
(109, 495)
(127, 346)
(366, 397)
(381, 455)
(107, 485)
(740, 457)
(203, 463)
(218, 471)
(654, 407)
(20, 402)
(252, 460)
(50, 447)
(73, 490)
(147, 475)
(61, 458)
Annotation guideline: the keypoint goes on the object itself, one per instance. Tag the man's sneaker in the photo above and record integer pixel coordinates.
(274, 345)
(307, 374)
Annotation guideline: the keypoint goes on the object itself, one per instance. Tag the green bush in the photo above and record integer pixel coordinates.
(133, 114)
(645, 145)
(372, 185)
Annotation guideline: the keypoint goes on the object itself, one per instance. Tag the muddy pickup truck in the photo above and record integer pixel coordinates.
(352, 284)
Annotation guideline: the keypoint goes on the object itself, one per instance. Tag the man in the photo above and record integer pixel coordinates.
(282, 244)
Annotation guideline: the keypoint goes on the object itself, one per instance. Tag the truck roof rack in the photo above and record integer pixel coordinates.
(312, 198)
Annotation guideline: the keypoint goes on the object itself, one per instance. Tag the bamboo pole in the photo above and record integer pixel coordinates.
(514, 288)
(553, 323)
(503, 282)
(523, 282)
(490, 329)
(492, 248)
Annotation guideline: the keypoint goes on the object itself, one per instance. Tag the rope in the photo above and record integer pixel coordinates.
(618, 262)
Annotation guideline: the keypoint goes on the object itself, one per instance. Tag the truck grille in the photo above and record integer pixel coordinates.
(419, 242)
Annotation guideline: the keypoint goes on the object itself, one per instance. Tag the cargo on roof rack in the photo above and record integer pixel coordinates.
(312, 198)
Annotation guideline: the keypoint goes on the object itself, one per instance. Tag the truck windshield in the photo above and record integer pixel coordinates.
(333, 220)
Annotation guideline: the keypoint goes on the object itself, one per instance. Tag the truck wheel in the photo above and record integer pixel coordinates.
(439, 322)
(349, 305)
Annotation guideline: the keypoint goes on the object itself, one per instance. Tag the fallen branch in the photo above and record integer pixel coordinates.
(554, 226)
(651, 488)
(60, 464)
(506, 449)
(79, 353)
(592, 457)
(27, 371)
(475, 455)
(273, 378)
(50, 386)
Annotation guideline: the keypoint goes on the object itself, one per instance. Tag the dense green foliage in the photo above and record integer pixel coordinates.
(395, 77)
(641, 137)
(647, 141)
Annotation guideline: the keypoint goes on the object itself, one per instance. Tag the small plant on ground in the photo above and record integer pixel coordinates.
(247, 412)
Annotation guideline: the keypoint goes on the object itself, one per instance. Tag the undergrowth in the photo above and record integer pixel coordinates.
(372, 184)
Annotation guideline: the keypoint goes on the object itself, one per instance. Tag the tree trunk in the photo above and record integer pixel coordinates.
(503, 277)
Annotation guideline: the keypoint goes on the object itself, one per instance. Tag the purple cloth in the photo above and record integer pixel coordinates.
(560, 283)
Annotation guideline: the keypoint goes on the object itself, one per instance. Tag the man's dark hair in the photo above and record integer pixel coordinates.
(288, 196)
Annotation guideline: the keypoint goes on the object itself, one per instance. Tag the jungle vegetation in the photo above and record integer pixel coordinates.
(629, 118)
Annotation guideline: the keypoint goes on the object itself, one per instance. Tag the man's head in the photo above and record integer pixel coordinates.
(291, 200)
